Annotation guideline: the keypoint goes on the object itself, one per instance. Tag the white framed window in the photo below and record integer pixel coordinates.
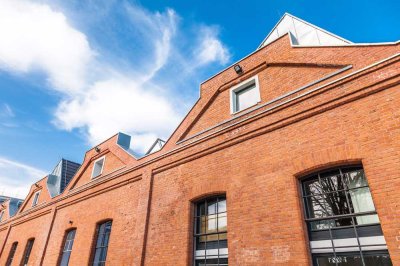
(98, 167)
(35, 199)
(1, 216)
(245, 95)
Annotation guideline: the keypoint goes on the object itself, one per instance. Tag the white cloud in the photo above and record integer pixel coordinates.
(98, 97)
(210, 49)
(35, 37)
(16, 178)
(119, 105)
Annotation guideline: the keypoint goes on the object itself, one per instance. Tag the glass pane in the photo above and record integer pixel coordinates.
(246, 97)
(223, 236)
(65, 258)
(96, 257)
(212, 207)
(348, 260)
(342, 222)
(337, 204)
(355, 178)
(323, 224)
(381, 260)
(361, 200)
(367, 219)
(106, 239)
(332, 183)
(312, 187)
(201, 209)
(211, 225)
(222, 205)
(108, 227)
(317, 206)
(222, 222)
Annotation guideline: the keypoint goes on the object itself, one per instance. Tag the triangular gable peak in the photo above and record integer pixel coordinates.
(302, 33)
(38, 195)
(322, 62)
(104, 159)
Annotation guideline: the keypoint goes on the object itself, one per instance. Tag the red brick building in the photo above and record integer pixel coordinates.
(291, 156)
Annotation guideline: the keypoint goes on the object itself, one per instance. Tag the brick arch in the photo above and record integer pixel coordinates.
(308, 163)
(207, 195)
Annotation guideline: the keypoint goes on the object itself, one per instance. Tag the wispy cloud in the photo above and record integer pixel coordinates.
(16, 177)
(6, 111)
(98, 96)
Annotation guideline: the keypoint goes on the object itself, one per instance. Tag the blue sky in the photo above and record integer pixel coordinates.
(73, 73)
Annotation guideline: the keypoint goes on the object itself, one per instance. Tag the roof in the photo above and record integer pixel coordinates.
(62, 174)
(14, 204)
(302, 33)
(156, 146)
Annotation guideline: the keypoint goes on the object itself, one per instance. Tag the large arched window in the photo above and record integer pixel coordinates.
(12, 253)
(343, 225)
(27, 252)
(210, 232)
(101, 244)
(67, 247)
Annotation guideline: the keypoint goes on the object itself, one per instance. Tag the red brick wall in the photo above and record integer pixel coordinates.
(256, 162)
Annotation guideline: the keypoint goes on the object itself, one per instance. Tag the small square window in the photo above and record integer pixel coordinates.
(98, 167)
(35, 199)
(245, 95)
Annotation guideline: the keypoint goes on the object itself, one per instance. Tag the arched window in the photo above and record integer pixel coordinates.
(67, 249)
(101, 245)
(210, 232)
(12, 253)
(27, 252)
(343, 225)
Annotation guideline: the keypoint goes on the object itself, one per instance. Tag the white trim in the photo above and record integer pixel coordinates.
(235, 89)
(307, 23)
(1, 215)
(102, 166)
(36, 198)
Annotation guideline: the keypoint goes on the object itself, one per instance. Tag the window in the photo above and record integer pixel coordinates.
(245, 95)
(67, 249)
(12, 253)
(35, 199)
(1, 216)
(98, 167)
(27, 252)
(343, 225)
(103, 237)
(210, 232)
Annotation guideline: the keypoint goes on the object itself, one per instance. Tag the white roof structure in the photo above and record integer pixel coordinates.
(302, 33)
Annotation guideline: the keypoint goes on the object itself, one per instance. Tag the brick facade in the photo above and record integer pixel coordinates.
(346, 112)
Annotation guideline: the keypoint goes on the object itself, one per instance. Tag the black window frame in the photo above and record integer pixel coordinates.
(353, 230)
(11, 254)
(102, 250)
(66, 248)
(27, 251)
(214, 260)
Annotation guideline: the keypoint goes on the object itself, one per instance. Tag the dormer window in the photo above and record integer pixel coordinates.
(35, 199)
(245, 95)
(98, 167)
